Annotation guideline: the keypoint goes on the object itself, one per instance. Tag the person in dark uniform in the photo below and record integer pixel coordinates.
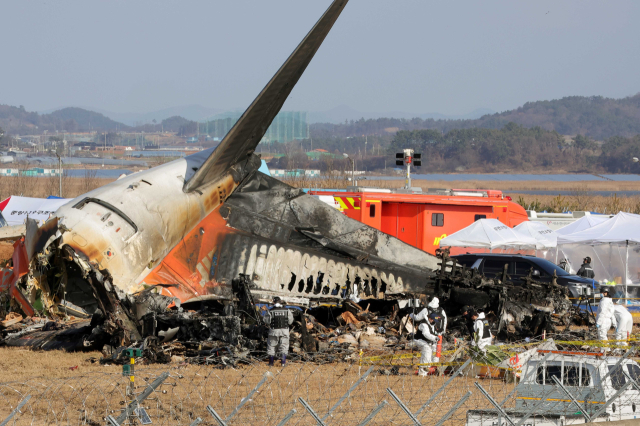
(586, 271)
(279, 319)
(466, 314)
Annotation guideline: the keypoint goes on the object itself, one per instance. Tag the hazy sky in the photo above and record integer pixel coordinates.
(382, 55)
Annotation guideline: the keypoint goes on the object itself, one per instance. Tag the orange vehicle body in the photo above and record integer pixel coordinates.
(422, 220)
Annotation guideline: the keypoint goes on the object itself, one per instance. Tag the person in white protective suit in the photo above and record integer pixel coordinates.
(623, 322)
(425, 339)
(481, 333)
(604, 318)
(434, 307)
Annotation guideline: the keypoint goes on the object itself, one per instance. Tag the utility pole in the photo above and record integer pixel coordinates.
(59, 174)
(365, 146)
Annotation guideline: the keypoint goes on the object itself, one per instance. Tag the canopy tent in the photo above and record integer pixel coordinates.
(545, 236)
(489, 234)
(622, 227)
(585, 222)
(16, 209)
(614, 248)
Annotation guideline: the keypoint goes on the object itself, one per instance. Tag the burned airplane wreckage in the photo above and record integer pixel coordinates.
(179, 235)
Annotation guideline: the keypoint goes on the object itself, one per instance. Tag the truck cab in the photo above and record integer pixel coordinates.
(593, 379)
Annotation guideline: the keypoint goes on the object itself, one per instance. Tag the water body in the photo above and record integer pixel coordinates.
(576, 177)
(171, 154)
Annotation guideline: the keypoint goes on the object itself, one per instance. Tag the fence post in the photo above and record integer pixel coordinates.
(617, 394)
(310, 410)
(216, 416)
(453, 409)
(573, 399)
(373, 413)
(248, 397)
(144, 395)
(458, 372)
(533, 409)
(287, 417)
(16, 410)
(351, 389)
(404, 407)
(196, 422)
(494, 403)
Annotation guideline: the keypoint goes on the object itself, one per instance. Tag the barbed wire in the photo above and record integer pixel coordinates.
(382, 380)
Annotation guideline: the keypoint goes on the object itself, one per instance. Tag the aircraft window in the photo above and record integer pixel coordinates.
(617, 377)
(437, 219)
(493, 267)
(479, 216)
(372, 210)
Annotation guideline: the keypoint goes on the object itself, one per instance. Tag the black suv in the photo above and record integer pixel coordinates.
(492, 265)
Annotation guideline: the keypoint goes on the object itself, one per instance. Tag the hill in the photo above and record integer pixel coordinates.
(595, 116)
(16, 120)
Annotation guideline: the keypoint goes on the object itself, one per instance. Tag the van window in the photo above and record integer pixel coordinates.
(634, 371)
(479, 216)
(617, 377)
(493, 267)
(575, 375)
(545, 374)
(372, 210)
(437, 219)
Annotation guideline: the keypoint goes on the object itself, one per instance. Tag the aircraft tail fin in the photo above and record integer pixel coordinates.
(242, 139)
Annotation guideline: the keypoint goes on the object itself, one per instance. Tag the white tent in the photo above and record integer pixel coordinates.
(620, 228)
(546, 237)
(489, 234)
(609, 244)
(585, 222)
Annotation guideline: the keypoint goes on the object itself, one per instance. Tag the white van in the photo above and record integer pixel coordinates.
(582, 375)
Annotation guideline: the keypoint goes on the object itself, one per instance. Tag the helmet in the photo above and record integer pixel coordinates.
(277, 300)
(606, 290)
(433, 316)
(587, 259)
(468, 309)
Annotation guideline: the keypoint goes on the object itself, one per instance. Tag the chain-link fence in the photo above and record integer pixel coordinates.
(510, 384)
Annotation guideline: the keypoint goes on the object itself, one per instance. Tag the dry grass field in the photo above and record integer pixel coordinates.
(87, 394)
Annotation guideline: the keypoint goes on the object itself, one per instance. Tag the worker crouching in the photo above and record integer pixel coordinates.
(279, 319)
(623, 323)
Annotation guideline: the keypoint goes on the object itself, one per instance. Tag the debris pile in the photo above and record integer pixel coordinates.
(231, 332)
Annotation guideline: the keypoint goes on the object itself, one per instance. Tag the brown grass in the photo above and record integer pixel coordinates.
(534, 185)
(90, 389)
(579, 201)
(20, 364)
(43, 187)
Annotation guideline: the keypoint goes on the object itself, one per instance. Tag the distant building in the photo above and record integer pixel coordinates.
(286, 127)
(294, 173)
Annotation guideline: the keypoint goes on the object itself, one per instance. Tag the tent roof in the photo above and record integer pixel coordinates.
(488, 233)
(546, 237)
(585, 222)
(621, 228)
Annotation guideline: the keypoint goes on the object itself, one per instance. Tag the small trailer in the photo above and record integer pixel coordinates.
(559, 388)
